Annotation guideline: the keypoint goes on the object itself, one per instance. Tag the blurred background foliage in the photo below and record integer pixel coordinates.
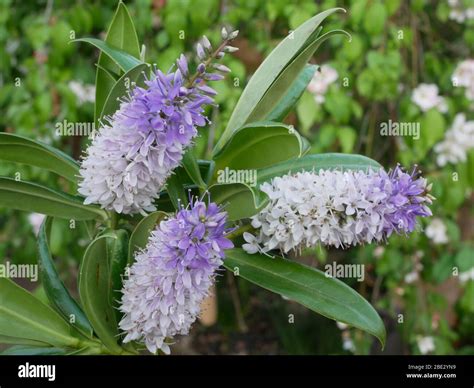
(396, 45)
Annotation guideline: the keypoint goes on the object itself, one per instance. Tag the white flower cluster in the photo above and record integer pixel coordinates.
(459, 12)
(437, 231)
(464, 76)
(457, 142)
(115, 182)
(426, 97)
(330, 207)
(321, 81)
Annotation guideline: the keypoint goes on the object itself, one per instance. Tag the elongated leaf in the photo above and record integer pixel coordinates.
(259, 145)
(24, 316)
(123, 36)
(121, 58)
(308, 286)
(290, 98)
(238, 199)
(94, 292)
(21, 350)
(269, 70)
(207, 168)
(54, 288)
(35, 198)
(19, 149)
(191, 166)
(117, 248)
(20, 341)
(175, 186)
(141, 233)
(121, 87)
(243, 200)
(279, 89)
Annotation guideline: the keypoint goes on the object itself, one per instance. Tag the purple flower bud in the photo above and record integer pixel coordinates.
(213, 76)
(201, 68)
(221, 68)
(206, 44)
(183, 65)
(200, 52)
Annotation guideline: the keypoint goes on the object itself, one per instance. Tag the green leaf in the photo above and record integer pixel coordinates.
(121, 35)
(117, 252)
(238, 199)
(141, 233)
(308, 286)
(24, 316)
(121, 58)
(175, 186)
(121, 87)
(258, 145)
(191, 166)
(20, 341)
(289, 100)
(94, 290)
(22, 350)
(282, 84)
(35, 198)
(269, 70)
(19, 149)
(54, 288)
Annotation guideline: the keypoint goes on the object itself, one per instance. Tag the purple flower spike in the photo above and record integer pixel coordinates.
(135, 152)
(338, 209)
(173, 274)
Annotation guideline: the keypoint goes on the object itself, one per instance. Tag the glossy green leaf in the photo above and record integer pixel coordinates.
(20, 341)
(121, 58)
(121, 87)
(22, 350)
(308, 286)
(282, 84)
(191, 166)
(35, 198)
(268, 72)
(237, 198)
(176, 188)
(288, 100)
(117, 248)
(19, 149)
(24, 316)
(54, 288)
(120, 35)
(141, 233)
(259, 145)
(94, 290)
